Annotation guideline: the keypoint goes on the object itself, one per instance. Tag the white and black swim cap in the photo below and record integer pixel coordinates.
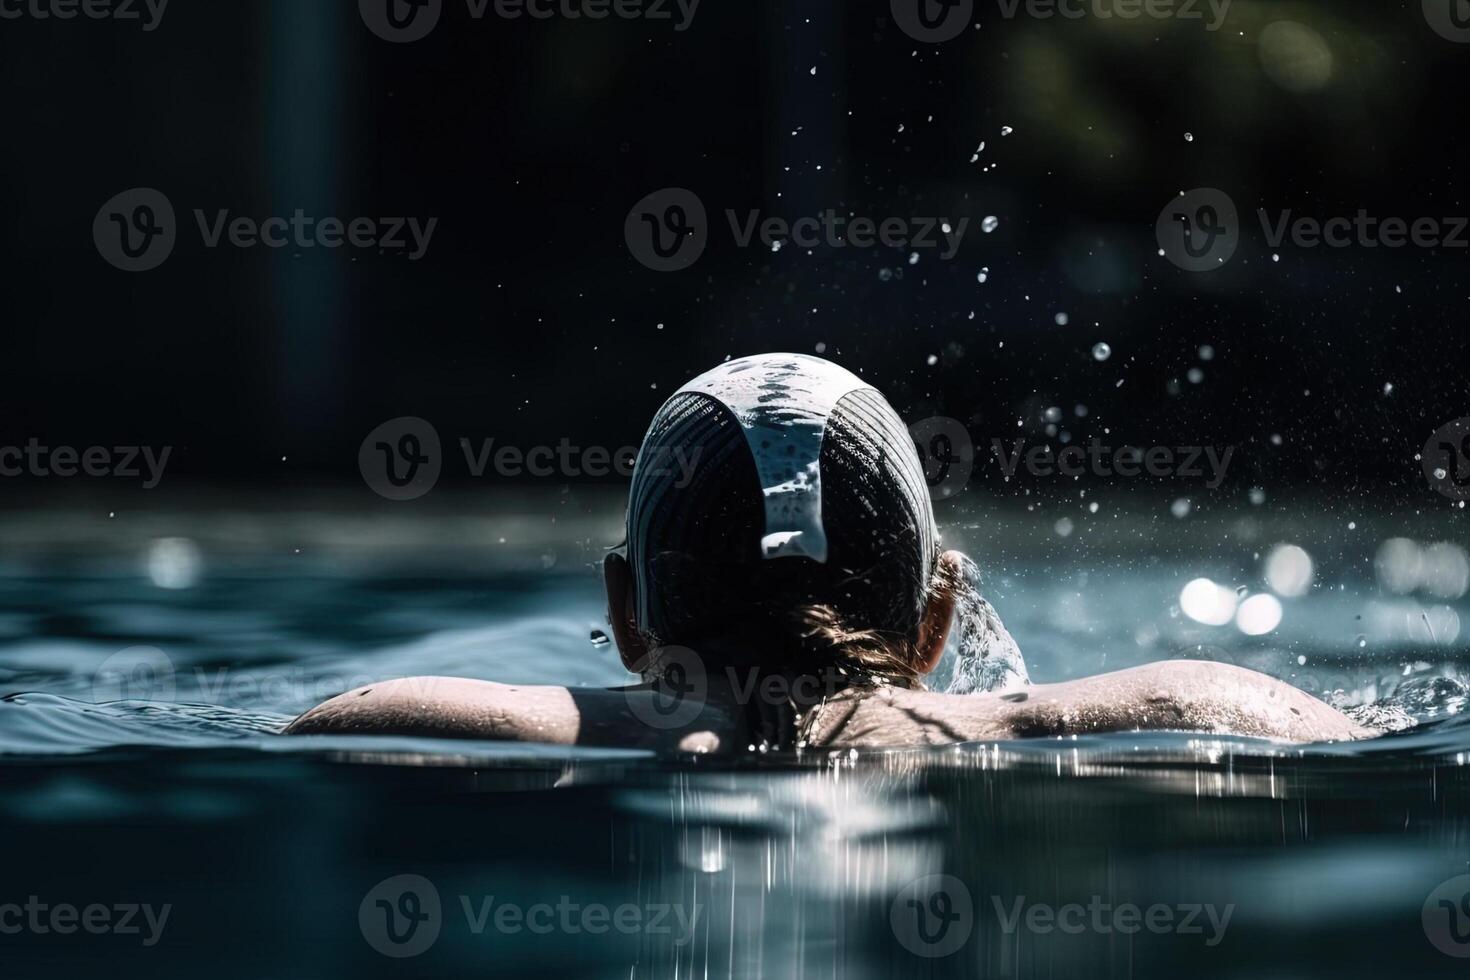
(799, 486)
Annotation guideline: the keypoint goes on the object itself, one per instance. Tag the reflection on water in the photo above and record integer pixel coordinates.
(139, 697)
(1102, 858)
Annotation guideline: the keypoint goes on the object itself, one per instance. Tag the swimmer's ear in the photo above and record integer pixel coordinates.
(939, 614)
(622, 613)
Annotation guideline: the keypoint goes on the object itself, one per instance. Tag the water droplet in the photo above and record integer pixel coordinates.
(1061, 319)
(989, 225)
(1188, 137)
(1101, 351)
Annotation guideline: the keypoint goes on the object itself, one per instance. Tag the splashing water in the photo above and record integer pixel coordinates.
(987, 657)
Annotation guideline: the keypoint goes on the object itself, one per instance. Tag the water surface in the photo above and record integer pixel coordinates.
(166, 785)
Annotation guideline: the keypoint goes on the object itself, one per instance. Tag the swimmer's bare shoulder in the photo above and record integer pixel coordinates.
(1185, 696)
(458, 707)
(445, 707)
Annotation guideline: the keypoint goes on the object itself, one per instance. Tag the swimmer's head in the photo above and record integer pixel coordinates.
(779, 516)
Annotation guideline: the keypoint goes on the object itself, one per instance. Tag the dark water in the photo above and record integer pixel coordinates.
(162, 787)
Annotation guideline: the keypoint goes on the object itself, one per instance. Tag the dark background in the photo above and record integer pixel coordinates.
(529, 321)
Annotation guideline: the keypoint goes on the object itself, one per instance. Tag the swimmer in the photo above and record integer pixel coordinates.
(788, 591)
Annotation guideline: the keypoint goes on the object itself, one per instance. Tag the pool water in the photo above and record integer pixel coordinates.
(164, 786)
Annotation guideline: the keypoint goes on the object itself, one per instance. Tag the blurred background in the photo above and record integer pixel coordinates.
(528, 320)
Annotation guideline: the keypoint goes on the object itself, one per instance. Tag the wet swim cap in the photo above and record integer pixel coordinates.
(800, 485)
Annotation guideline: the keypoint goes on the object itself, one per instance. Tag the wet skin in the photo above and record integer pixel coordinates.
(1186, 696)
